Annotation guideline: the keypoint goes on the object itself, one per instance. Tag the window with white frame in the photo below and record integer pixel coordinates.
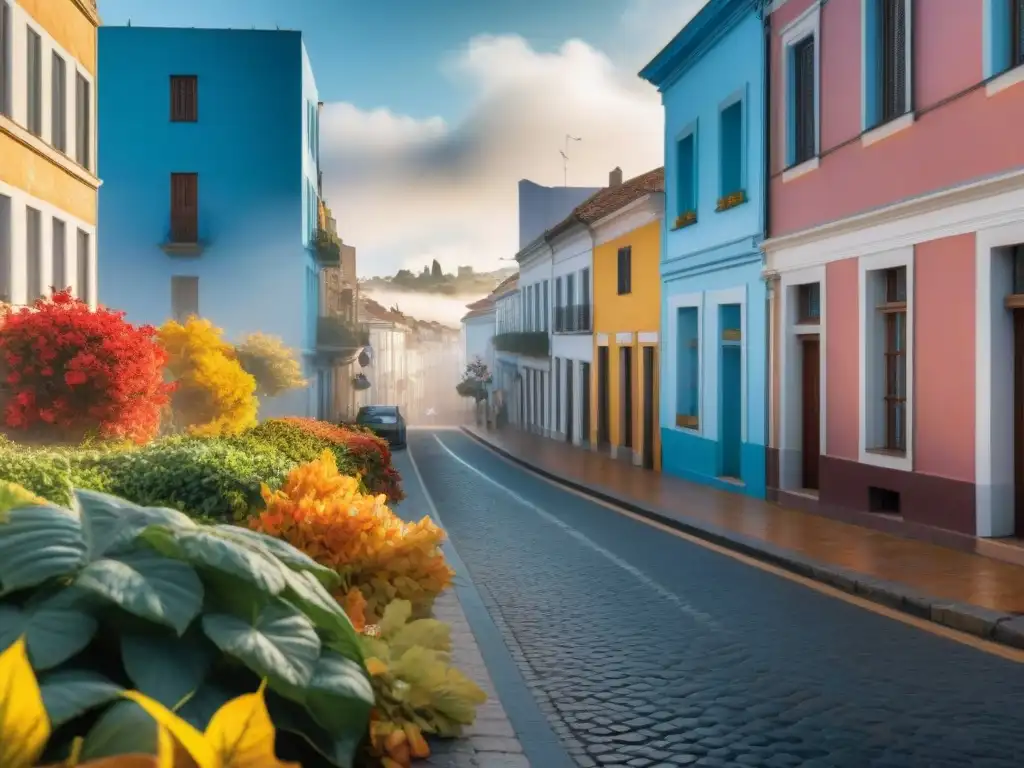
(83, 121)
(84, 260)
(34, 81)
(802, 83)
(58, 102)
(546, 305)
(887, 60)
(58, 255)
(887, 363)
(33, 253)
(538, 324)
(1004, 24)
(730, 149)
(688, 367)
(6, 55)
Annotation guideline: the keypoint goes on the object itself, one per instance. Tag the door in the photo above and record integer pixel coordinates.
(603, 402)
(570, 408)
(1018, 421)
(626, 439)
(649, 426)
(810, 409)
(585, 402)
(731, 415)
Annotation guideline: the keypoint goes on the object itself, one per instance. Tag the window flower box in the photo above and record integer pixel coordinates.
(685, 219)
(731, 201)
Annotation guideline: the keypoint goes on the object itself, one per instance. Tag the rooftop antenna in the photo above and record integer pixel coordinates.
(565, 159)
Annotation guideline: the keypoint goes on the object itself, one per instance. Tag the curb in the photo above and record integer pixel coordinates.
(995, 626)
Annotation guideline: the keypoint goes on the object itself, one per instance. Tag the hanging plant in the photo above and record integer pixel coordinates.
(360, 382)
(365, 357)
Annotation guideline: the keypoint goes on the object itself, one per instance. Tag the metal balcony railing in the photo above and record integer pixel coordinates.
(575, 318)
(336, 333)
(527, 343)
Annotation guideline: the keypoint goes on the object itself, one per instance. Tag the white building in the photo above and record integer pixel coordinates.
(508, 326)
(478, 328)
(535, 267)
(387, 370)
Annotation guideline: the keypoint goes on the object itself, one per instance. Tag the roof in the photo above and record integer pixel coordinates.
(507, 285)
(693, 40)
(611, 199)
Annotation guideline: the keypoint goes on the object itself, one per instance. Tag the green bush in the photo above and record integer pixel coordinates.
(123, 597)
(44, 473)
(211, 478)
(293, 441)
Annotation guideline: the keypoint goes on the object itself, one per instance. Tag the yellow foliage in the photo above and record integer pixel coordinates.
(325, 515)
(274, 366)
(214, 394)
(13, 496)
(24, 724)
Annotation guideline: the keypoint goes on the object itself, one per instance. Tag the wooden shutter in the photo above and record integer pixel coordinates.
(184, 297)
(184, 98)
(805, 106)
(894, 59)
(185, 207)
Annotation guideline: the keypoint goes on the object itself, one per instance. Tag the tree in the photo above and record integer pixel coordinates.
(274, 366)
(475, 381)
(435, 270)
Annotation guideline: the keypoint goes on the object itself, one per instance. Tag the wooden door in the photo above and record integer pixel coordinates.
(649, 425)
(811, 412)
(603, 430)
(585, 404)
(626, 378)
(570, 405)
(1018, 421)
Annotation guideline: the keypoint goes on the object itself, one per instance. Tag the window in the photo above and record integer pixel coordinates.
(1016, 33)
(887, 60)
(558, 394)
(688, 367)
(809, 304)
(83, 121)
(33, 254)
(1018, 268)
(58, 103)
(625, 270)
(184, 98)
(5, 244)
(686, 173)
(731, 149)
(184, 297)
(559, 310)
(84, 263)
(59, 272)
(538, 324)
(585, 299)
(546, 321)
(5, 58)
(804, 102)
(184, 207)
(34, 82)
(894, 312)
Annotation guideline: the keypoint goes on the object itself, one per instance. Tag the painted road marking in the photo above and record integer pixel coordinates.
(633, 571)
(996, 649)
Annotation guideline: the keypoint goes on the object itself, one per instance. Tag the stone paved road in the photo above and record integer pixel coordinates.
(653, 651)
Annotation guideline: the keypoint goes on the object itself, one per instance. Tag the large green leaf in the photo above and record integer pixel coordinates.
(294, 558)
(338, 748)
(110, 523)
(280, 643)
(334, 625)
(149, 585)
(70, 693)
(37, 544)
(165, 667)
(219, 552)
(55, 629)
(340, 694)
(124, 729)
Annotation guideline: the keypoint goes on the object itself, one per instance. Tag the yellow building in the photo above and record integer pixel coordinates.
(48, 184)
(627, 319)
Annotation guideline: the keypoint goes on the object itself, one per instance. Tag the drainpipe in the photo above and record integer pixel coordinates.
(765, 202)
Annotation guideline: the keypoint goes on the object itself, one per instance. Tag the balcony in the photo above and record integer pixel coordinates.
(575, 318)
(336, 336)
(183, 237)
(526, 343)
(326, 248)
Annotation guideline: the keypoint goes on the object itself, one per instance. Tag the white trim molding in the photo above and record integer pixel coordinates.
(790, 436)
(1006, 80)
(994, 381)
(623, 339)
(647, 337)
(885, 130)
(602, 339)
(796, 171)
(629, 218)
(671, 364)
(713, 340)
(870, 344)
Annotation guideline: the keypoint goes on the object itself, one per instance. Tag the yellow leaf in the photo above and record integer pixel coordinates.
(191, 740)
(242, 734)
(396, 615)
(376, 667)
(24, 724)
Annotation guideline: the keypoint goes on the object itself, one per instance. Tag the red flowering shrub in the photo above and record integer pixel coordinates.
(71, 371)
(369, 453)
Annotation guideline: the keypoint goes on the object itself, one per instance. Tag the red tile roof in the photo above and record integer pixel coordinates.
(607, 201)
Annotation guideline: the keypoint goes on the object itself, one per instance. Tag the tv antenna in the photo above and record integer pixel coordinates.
(565, 158)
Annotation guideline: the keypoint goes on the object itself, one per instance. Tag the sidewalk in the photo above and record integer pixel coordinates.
(974, 594)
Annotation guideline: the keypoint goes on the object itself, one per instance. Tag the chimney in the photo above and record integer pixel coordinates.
(615, 177)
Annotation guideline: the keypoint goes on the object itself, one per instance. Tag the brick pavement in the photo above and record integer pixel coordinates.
(965, 591)
(491, 742)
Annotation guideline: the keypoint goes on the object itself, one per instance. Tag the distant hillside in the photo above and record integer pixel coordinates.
(432, 280)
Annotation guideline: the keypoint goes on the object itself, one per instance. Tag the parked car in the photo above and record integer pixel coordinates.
(385, 421)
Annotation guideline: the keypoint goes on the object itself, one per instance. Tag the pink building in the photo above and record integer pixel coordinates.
(895, 258)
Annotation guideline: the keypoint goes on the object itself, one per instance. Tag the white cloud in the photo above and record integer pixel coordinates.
(406, 191)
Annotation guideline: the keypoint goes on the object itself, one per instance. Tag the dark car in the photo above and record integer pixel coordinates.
(384, 420)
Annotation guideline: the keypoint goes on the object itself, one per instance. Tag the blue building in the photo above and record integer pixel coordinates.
(211, 198)
(712, 78)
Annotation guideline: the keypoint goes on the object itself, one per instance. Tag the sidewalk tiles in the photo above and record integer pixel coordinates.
(967, 592)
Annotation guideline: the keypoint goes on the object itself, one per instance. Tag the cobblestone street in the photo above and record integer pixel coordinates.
(647, 650)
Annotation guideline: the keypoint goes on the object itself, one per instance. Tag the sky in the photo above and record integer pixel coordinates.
(435, 110)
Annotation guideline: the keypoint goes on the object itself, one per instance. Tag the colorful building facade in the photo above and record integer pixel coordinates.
(714, 307)
(896, 251)
(211, 141)
(48, 171)
(625, 387)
